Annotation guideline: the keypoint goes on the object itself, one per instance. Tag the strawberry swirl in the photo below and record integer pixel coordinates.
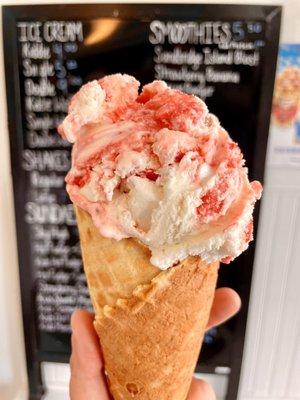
(158, 167)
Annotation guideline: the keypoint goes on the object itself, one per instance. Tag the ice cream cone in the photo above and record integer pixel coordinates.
(150, 322)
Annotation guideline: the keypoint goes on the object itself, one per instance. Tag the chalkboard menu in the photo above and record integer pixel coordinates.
(222, 53)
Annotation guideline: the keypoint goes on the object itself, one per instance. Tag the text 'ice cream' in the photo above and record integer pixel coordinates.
(158, 167)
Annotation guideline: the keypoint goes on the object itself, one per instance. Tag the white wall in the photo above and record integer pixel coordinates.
(271, 362)
(273, 327)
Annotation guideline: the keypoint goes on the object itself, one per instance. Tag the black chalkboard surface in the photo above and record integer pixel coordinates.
(225, 54)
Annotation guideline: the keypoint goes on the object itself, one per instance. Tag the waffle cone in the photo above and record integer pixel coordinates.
(150, 322)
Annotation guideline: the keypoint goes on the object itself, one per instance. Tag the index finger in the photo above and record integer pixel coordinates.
(225, 305)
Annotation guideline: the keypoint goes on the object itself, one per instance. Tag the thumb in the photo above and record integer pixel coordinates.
(87, 373)
(201, 390)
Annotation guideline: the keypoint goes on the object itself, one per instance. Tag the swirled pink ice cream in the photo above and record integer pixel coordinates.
(156, 166)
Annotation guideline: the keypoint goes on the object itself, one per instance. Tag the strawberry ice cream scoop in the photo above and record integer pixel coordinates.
(156, 166)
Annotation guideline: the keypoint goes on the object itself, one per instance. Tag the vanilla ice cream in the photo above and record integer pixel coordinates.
(159, 168)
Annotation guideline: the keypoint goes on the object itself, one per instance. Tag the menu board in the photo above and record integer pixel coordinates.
(49, 74)
(226, 55)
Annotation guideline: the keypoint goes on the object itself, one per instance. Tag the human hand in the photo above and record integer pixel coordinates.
(87, 369)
